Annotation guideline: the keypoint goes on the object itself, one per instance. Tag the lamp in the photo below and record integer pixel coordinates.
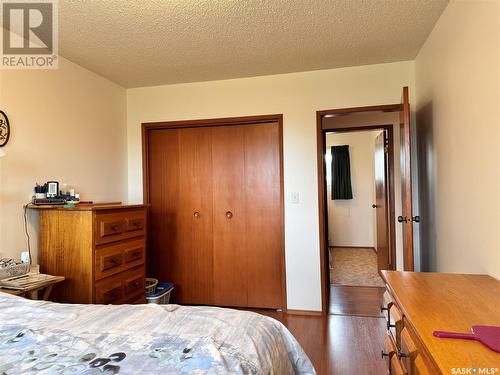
(2, 152)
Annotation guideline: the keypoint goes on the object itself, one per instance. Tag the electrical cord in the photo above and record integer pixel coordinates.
(26, 231)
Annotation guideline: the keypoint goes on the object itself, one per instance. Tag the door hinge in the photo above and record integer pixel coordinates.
(386, 149)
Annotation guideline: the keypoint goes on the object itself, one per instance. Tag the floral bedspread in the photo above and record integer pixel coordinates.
(50, 338)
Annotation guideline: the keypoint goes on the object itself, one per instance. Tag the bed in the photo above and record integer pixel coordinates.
(51, 338)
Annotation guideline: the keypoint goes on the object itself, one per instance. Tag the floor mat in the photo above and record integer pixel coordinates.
(354, 266)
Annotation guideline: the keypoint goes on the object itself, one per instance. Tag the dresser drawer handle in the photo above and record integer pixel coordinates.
(136, 224)
(112, 295)
(402, 355)
(114, 227)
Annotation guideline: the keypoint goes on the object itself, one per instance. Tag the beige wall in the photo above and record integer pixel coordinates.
(351, 221)
(458, 101)
(297, 96)
(68, 125)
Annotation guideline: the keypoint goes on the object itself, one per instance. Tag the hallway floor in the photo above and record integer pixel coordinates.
(354, 267)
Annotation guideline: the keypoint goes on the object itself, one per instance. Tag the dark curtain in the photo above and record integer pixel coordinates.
(341, 173)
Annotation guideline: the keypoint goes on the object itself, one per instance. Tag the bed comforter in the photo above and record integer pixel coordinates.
(50, 338)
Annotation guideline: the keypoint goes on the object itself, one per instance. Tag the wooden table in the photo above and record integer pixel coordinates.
(32, 293)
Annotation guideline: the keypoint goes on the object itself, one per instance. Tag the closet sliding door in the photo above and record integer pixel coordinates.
(264, 218)
(180, 194)
(216, 213)
(230, 216)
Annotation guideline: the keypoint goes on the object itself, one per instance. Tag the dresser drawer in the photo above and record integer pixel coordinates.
(410, 356)
(395, 324)
(389, 350)
(109, 291)
(121, 288)
(116, 226)
(419, 367)
(386, 305)
(397, 367)
(117, 258)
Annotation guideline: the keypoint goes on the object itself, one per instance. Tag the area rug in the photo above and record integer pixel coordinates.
(354, 267)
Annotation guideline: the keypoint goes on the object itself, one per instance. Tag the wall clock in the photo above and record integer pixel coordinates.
(4, 129)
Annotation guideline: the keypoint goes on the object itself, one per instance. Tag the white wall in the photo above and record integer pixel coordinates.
(351, 221)
(68, 125)
(458, 122)
(298, 96)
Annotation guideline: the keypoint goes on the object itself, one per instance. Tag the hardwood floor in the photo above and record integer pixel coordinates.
(336, 344)
(356, 300)
(349, 340)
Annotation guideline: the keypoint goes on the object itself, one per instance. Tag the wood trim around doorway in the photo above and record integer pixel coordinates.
(227, 121)
(322, 199)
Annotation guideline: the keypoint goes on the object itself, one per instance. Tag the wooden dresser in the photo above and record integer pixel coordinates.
(99, 249)
(416, 304)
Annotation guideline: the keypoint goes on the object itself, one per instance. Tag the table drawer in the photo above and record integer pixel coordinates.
(121, 288)
(117, 258)
(116, 226)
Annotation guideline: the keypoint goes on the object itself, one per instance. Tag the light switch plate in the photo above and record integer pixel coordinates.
(295, 197)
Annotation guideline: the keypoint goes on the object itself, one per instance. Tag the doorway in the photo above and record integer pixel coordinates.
(394, 249)
(357, 175)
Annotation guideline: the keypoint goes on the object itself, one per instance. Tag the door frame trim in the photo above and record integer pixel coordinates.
(322, 199)
(147, 127)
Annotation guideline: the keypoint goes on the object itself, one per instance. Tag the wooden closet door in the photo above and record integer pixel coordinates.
(229, 231)
(264, 219)
(195, 213)
(180, 173)
(163, 173)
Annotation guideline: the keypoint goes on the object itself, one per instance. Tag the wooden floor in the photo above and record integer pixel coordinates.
(349, 340)
(339, 345)
(356, 300)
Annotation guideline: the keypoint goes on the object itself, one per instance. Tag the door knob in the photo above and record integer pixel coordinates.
(229, 214)
(374, 206)
(196, 215)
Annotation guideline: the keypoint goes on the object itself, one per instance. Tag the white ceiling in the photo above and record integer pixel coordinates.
(153, 42)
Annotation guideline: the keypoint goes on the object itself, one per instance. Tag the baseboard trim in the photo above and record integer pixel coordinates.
(304, 312)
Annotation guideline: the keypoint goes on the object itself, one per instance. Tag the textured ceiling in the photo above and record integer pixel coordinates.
(153, 42)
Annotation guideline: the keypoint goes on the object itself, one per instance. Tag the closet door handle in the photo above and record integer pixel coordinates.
(229, 214)
(196, 215)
